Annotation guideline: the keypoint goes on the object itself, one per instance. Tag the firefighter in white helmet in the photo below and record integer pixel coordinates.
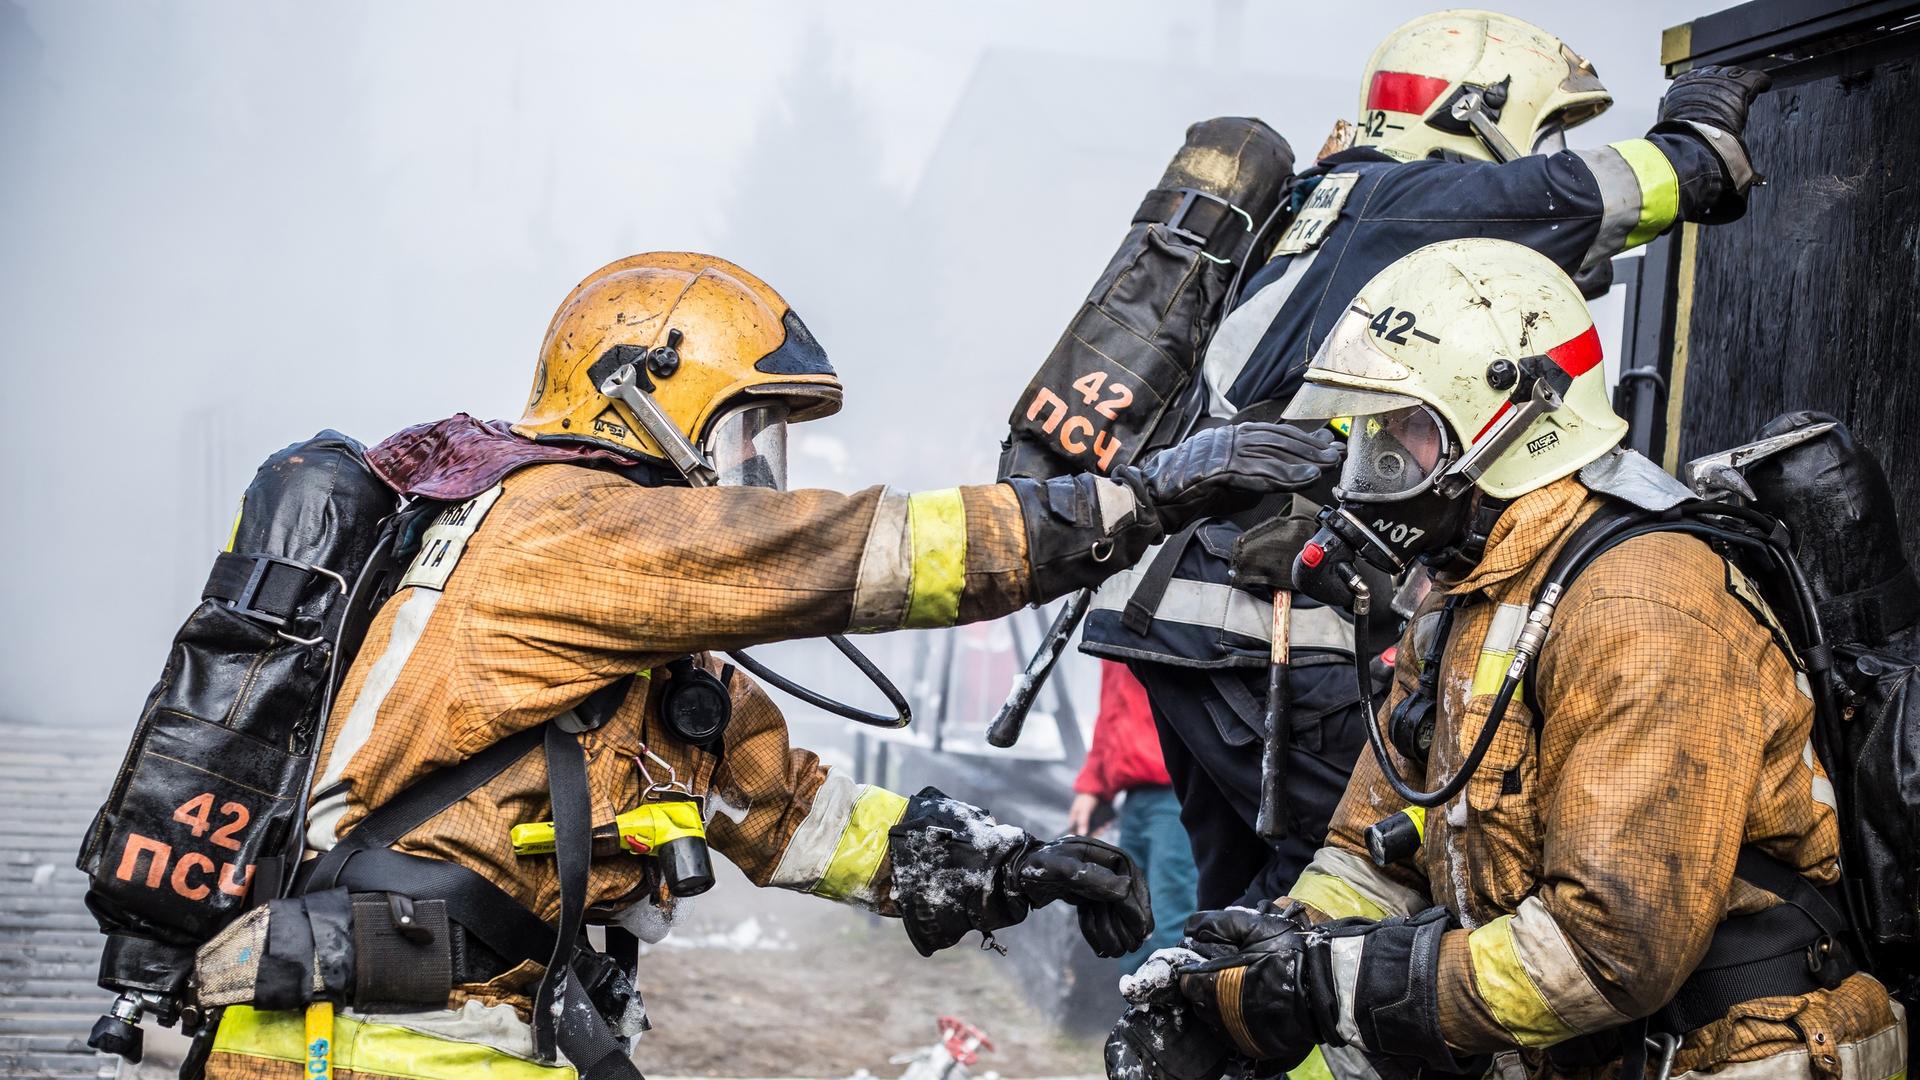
(1613, 861)
(1461, 132)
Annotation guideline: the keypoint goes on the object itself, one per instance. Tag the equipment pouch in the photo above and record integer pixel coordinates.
(1110, 389)
(1879, 769)
(374, 951)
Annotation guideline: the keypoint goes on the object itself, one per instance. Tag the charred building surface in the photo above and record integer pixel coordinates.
(1810, 303)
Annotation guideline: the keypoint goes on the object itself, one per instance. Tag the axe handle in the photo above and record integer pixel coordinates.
(1271, 821)
(1013, 715)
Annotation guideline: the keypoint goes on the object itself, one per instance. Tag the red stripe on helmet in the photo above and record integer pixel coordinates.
(1492, 420)
(1577, 357)
(1399, 91)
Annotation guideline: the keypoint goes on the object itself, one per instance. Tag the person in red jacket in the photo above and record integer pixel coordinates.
(1125, 759)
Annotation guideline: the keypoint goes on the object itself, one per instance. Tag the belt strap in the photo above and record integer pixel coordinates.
(265, 588)
(417, 803)
(1219, 228)
(1138, 616)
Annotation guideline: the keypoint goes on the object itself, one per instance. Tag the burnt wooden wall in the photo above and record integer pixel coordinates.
(1811, 300)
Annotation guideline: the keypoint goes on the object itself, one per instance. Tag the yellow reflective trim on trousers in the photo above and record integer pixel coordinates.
(1659, 189)
(937, 528)
(1333, 897)
(373, 1048)
(1491, 671)
(1313, 1068)
(863, 844)
(1511, 996)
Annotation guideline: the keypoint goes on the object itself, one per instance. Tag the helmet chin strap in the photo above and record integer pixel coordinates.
(624, 385)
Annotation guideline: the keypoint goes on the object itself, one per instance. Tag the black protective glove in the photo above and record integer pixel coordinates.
(1718, 97)
(1166, 1041)
(956, 870)
(1099, 879)
(1083, 528)
(1260, 986)
(1227, 469)
(1710, 104)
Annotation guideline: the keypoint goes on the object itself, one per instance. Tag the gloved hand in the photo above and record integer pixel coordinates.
(1165, 1041)
(956, 870)
(1095, 877)
(1710, 104)
(1082, 528)
(1226, 469)
(1715, 96)
(1262, 986)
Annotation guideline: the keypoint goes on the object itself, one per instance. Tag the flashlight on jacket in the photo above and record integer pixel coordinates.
(671, 829)
(1396, 837)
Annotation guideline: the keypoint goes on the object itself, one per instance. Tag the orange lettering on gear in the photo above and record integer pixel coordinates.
(1079, 423)
(1104, 447)
(158, 854)
(179, 880)
(232, 887)
(238, 815)
(1044, 398)
(193, 813)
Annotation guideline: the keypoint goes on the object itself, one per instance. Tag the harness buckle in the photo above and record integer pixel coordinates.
(244, 604)
(1176, 221)
(1661, 1047)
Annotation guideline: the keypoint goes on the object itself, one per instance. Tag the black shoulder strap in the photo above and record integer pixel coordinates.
(1606, 517)
(419, 802)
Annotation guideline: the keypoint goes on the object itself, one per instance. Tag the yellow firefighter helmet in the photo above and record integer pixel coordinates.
(707, 339)
(1467, 361)
(1423, 77)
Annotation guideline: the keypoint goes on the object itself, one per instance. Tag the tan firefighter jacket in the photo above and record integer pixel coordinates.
(1590, 861)
(564, 579)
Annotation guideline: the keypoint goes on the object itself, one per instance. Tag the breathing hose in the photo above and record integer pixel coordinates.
(902, 712)
(1540, 618)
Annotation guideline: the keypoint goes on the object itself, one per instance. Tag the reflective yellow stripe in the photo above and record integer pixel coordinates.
(319, 1037)
(1313, 1068)
(937, 523)
(234, 533)
(1503, 983)
(1418, 815)
(1333, 897)
(373, 1048)
(863, 844)
(1491, 671)
(1659, 189)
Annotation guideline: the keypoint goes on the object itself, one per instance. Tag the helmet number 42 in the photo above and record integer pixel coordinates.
(1394, 325)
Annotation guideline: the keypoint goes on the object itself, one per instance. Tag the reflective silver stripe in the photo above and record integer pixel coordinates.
(1345, 953)
(1117, 503)
(1223, 607)
(1366, 879)
(812, 845)
(1619, 202)
(1880, 1056)
(886, 569)
(1822, 787)
(1730, 152)
(1504, 632)
(1348, 1063)
(1240, 332)
(408, 624)
(1556, 972)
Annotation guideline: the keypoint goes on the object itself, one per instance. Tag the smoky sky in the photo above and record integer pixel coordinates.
(226, 226)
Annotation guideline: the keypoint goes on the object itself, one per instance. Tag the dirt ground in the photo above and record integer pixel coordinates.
(761, 983)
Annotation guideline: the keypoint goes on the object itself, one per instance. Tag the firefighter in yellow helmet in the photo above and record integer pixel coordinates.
(540, 732)
(1630, 864)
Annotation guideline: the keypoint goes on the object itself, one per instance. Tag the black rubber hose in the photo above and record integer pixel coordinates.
(902, 712)
(1362, 662)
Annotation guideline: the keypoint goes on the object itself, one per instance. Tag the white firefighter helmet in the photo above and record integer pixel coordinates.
(1467, 361)
(1535, 85)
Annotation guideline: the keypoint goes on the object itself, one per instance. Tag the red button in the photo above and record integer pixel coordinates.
(1312, 554)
